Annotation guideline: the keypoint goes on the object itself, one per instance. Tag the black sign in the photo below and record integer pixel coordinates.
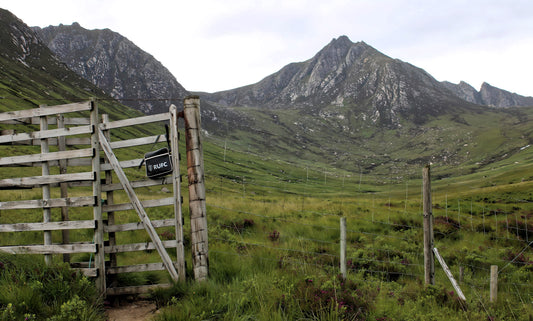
(158, 163)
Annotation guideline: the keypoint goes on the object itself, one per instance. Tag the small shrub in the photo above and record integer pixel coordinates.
(518, 259)
(345, 298)
(274, 236)
(445, 226)
(239, 227)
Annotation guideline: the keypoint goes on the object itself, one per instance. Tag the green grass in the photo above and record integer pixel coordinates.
(33, 291)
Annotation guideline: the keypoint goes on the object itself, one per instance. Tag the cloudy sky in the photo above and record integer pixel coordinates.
(213, 45)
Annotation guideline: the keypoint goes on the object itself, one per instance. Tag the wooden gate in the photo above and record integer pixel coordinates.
(62, 157)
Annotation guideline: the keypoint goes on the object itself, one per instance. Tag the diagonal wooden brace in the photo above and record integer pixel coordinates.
(167, 262)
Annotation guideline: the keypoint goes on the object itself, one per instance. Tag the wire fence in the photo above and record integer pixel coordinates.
(385, 231)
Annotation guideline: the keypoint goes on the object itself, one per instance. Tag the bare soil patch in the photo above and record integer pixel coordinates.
(132, 311)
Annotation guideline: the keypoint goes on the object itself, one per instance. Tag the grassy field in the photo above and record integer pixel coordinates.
(274, 231)
(274, 243)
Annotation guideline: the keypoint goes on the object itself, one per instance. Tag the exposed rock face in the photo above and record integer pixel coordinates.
(20, 43)
(116, 65)
(21, 47)
(488, 95)
(464, 91)
(348, 74)
(492, 96)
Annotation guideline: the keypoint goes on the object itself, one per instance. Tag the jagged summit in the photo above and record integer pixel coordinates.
(488, 95)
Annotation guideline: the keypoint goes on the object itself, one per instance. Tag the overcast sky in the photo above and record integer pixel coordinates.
(212, 45)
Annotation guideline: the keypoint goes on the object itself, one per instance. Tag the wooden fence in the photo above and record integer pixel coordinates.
(62, 154)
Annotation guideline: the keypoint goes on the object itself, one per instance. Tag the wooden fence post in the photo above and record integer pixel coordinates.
(99, 259)
(449, 274)
(493, 283)
(62, 146)
(343, 248)
(195, 173)
(429, 262)
(176, 181)
(113, 262)
(47, 212)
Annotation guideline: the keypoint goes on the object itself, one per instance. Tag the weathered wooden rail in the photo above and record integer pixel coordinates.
(71, 161)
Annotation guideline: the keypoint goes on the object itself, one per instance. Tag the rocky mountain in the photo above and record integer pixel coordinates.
(488, 95)
(349, 74)
(116, 65)
(126, 72)
(30, 72)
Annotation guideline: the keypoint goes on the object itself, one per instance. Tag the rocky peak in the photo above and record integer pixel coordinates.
(348, 74)
(116, 65)
(464, 91)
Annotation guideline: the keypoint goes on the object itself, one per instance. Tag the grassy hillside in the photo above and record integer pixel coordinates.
(338, 137)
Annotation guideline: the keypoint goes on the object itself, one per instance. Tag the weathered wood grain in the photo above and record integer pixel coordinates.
(50, 203)
(49, 249)
(50, 226)
(46, 111)
(134, 121)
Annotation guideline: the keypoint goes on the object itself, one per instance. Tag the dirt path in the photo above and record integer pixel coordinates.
(135, 311)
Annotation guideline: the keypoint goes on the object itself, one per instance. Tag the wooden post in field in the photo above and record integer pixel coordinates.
(493, 283)
(99, 257)
(429, 262)
(176, 181)
(62, 146)
(343, 248)
(47, 212)
(195, 173)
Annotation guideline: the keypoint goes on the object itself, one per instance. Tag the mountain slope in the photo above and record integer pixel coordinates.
(127, 73)
(32, 75)
(116, 65)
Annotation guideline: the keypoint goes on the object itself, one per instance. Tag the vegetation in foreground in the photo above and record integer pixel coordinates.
(33, 291)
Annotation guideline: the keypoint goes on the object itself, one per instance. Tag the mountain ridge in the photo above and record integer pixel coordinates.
(344, 73)
(488, 95)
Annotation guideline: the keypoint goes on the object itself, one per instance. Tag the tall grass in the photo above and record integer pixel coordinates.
(30, 290)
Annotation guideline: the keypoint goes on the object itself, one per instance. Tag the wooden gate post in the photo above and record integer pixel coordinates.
(429, 262)
(195, 173)
(176, 182)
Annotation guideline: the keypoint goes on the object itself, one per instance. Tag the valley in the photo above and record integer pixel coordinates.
(344, 134)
